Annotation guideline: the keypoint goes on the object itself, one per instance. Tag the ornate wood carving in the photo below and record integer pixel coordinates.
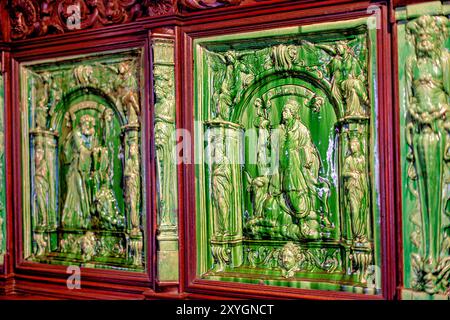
(31, 18)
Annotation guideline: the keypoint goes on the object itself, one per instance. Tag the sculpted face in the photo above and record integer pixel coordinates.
(292, 52)
(18, 23)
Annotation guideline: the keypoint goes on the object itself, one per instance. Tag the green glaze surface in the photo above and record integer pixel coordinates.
(286, 156)
(2, 173)
(166, 164)
(424, 82)
(82, 165)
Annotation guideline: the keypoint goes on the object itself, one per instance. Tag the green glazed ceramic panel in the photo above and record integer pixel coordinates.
(286, 157)
(2, 172)
(424, 87)
(83, 191)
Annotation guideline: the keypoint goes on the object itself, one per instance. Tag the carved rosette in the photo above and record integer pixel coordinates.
(32, 18)
(85, 185)
(2, 172)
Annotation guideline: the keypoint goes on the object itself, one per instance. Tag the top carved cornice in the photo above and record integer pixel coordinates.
(34, 18)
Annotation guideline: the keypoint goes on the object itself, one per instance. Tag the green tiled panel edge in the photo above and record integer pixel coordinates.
(405, 50)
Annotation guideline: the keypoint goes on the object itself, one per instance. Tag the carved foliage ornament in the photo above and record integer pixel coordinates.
(428, 139)
(204, 4)
(31, 18)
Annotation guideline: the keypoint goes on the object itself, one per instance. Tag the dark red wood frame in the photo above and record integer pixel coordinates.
(184, 26)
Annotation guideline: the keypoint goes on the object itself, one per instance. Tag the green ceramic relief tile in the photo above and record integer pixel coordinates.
(286, 157)
(166, 168)
(431, 8)
(424, 94)
(2, 173)
(83, 196)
